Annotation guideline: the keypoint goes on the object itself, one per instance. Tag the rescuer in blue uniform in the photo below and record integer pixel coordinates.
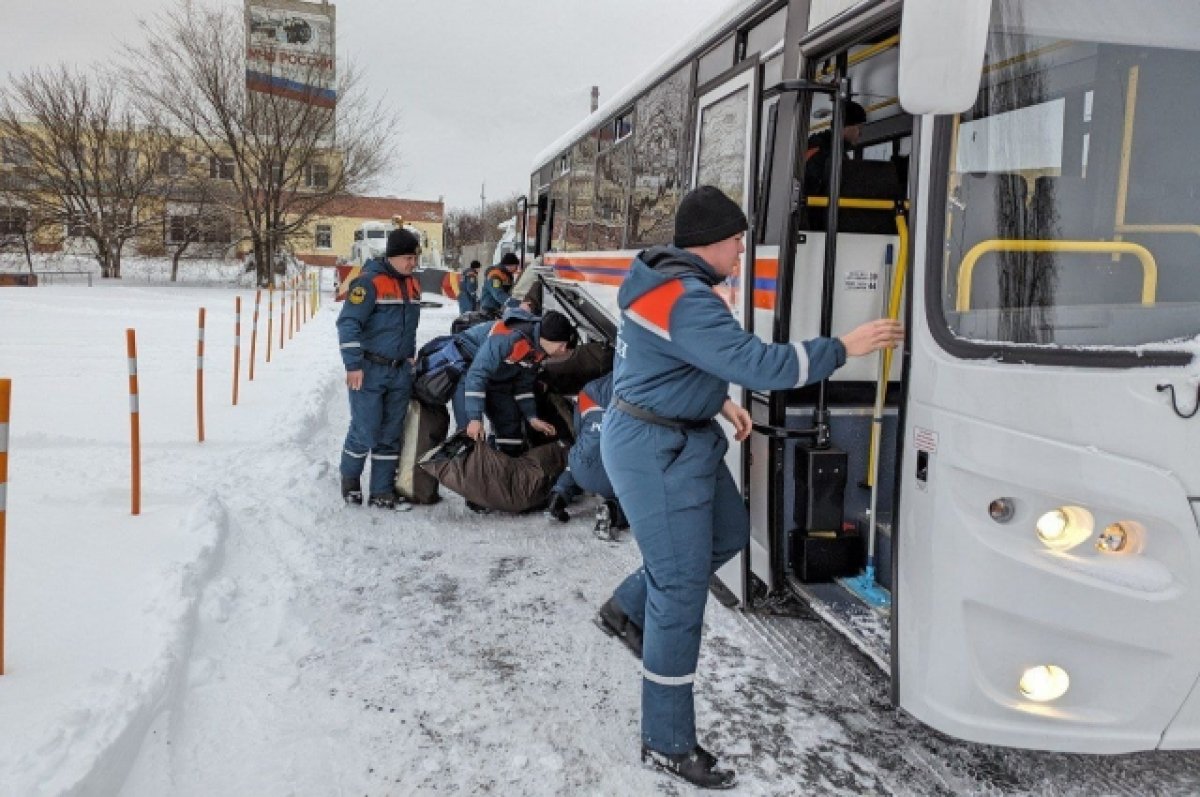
(504, 366)
(498, 285)
(678, 349)
(377, 331)
(585, 469)
(468, 288)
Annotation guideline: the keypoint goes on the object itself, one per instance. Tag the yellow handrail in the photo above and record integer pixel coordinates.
(966, 269)
(1187, 229)
(893, 312)
(855, 204)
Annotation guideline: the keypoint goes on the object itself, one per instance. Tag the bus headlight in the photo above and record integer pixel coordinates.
(1063, 528)
(1044, 683)
(1122, 537)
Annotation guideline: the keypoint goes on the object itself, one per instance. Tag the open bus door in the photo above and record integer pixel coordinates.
(724, 155)
(1047, 549)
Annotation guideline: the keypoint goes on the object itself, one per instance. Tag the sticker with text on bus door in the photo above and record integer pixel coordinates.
(862, 280)
(926, 443)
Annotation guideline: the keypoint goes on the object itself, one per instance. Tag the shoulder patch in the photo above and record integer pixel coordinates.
(358, 295)
(497, 283)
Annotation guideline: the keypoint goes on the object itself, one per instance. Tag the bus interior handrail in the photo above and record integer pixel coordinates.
(966, 269)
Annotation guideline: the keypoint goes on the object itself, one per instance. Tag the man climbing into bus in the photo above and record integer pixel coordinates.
(500, 382)
(377, 332)
(498, 285)
(678, 349)
(585, 469)
(468, 288)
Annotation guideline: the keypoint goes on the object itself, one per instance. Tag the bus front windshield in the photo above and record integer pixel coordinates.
(1073, 215)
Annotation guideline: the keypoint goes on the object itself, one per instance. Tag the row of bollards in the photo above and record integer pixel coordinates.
(305, 303)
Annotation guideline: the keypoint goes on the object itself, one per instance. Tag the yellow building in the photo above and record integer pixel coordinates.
(332, 234)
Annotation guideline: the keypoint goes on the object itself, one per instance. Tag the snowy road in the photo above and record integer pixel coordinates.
(348, 651)
(319, 649)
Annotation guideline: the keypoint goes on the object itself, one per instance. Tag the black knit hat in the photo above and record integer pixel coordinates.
(402, 242)
(510, 259)
(556, 327)
(706, 215)
(855, 114)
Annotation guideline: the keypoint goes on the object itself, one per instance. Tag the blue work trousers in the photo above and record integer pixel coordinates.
(467, 302)
(500, 406)
(584, 473)
(688, 519)
(377, 413)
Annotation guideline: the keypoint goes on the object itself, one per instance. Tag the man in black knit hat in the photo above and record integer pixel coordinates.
(377, 333)
(678, 349)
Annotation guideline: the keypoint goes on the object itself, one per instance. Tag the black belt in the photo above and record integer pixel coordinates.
(658, 420)
(378, 360)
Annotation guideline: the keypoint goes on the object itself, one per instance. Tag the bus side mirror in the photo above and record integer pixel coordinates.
(941, 54)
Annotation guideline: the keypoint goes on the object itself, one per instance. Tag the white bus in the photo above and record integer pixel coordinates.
(1025, 195)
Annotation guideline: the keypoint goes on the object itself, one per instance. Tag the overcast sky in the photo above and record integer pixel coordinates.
(481, 86)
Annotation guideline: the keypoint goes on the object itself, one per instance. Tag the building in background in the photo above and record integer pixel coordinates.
(333, 232)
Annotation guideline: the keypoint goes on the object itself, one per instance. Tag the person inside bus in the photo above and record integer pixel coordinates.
(468, 288)
(820, 145)
(504, 366)
(585, 469)
(498, 285)
(678, 349)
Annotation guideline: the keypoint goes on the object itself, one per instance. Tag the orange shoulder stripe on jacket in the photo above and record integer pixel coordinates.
(654, 307)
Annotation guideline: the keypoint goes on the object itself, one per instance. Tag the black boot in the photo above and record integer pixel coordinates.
(616, 515)
(352, 491)
(390, 501)
(557, 508)
(698, 767)
(614, 622)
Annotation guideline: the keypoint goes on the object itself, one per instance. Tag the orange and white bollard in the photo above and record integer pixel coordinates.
(254, 331)
(5, 397)
(270, 317)
(200, 380)
(237, 344)
(135, 427)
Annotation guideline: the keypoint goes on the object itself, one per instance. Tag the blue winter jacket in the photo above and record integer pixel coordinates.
(497, 288)
(380, 315)
(590, 405)
(506, 351)
(468, 291)
(679, 346)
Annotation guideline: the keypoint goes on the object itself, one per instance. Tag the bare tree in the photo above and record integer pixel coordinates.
(84, 161)
(287, 157)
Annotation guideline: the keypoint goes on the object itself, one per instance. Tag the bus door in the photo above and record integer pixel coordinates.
(724, 156)
(1048, 556)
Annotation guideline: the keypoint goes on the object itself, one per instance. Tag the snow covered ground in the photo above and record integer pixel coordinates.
(248, 634)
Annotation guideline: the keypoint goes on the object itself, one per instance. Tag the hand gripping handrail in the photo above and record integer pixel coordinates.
(966, 269)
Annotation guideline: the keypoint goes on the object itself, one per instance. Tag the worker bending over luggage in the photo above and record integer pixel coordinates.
(585, 468)
(504, 365)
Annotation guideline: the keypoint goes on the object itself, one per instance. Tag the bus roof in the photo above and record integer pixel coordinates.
(660, 69)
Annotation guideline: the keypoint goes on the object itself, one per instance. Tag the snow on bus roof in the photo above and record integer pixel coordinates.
(660, 69)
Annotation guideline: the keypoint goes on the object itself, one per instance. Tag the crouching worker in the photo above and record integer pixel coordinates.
(377, 331)
(585, 468)
(504, 366)
(678, 349)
